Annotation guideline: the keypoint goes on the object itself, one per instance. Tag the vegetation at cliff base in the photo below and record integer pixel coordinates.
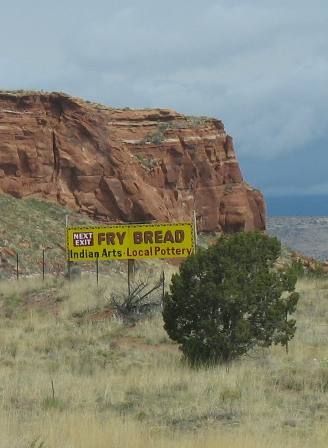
(28, 226)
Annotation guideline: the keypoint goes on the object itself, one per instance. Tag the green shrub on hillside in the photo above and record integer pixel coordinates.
(229, 298)
(298, 269)
(148, 163)
(197, 122)
(157, 137)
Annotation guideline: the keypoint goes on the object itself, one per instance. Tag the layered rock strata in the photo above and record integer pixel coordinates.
(124, 165)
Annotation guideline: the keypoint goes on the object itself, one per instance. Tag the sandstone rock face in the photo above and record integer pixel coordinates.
(124, 165)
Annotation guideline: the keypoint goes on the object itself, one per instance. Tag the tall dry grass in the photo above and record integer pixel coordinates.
(68, 381)
(82, 430)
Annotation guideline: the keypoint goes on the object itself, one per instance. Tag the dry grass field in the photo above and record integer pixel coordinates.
(72, 376)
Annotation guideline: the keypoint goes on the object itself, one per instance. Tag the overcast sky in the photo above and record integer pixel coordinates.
(259, 65)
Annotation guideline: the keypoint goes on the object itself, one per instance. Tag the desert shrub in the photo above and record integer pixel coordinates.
(36, 443)
(155, 137)
(148, 163)
(298, 269)
(141, 300)
(163, 126)
(196, 122)
(229, 298)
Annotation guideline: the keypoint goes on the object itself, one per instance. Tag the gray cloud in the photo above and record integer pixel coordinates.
(260, 66)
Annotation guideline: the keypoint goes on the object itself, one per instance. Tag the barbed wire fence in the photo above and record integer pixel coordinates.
(47, 264)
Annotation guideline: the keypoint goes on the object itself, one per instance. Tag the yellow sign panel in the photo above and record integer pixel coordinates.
(130, 241)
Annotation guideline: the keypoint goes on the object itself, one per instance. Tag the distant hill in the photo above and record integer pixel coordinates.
(308, 235)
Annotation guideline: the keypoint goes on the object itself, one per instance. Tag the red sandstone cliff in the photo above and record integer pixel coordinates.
(123, 165)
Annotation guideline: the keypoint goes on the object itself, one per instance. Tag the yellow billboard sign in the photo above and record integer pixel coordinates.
(130, 241)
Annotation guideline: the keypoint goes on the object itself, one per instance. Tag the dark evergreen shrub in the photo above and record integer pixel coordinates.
(229, 298)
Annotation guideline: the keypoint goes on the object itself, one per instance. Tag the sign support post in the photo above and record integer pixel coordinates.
(131, 272)
(163, 286)
(194, 221)
(68, 260)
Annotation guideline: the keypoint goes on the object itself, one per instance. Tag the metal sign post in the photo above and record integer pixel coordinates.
(194, 221)
(68, 259)
(163, 286)
(131, 272)
(97, 271)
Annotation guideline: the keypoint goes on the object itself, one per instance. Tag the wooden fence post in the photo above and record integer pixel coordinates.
(17, 266)
(43, 267)
(68, 261)
(131, 272)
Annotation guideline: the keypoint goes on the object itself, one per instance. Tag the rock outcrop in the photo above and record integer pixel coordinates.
(124, 165)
